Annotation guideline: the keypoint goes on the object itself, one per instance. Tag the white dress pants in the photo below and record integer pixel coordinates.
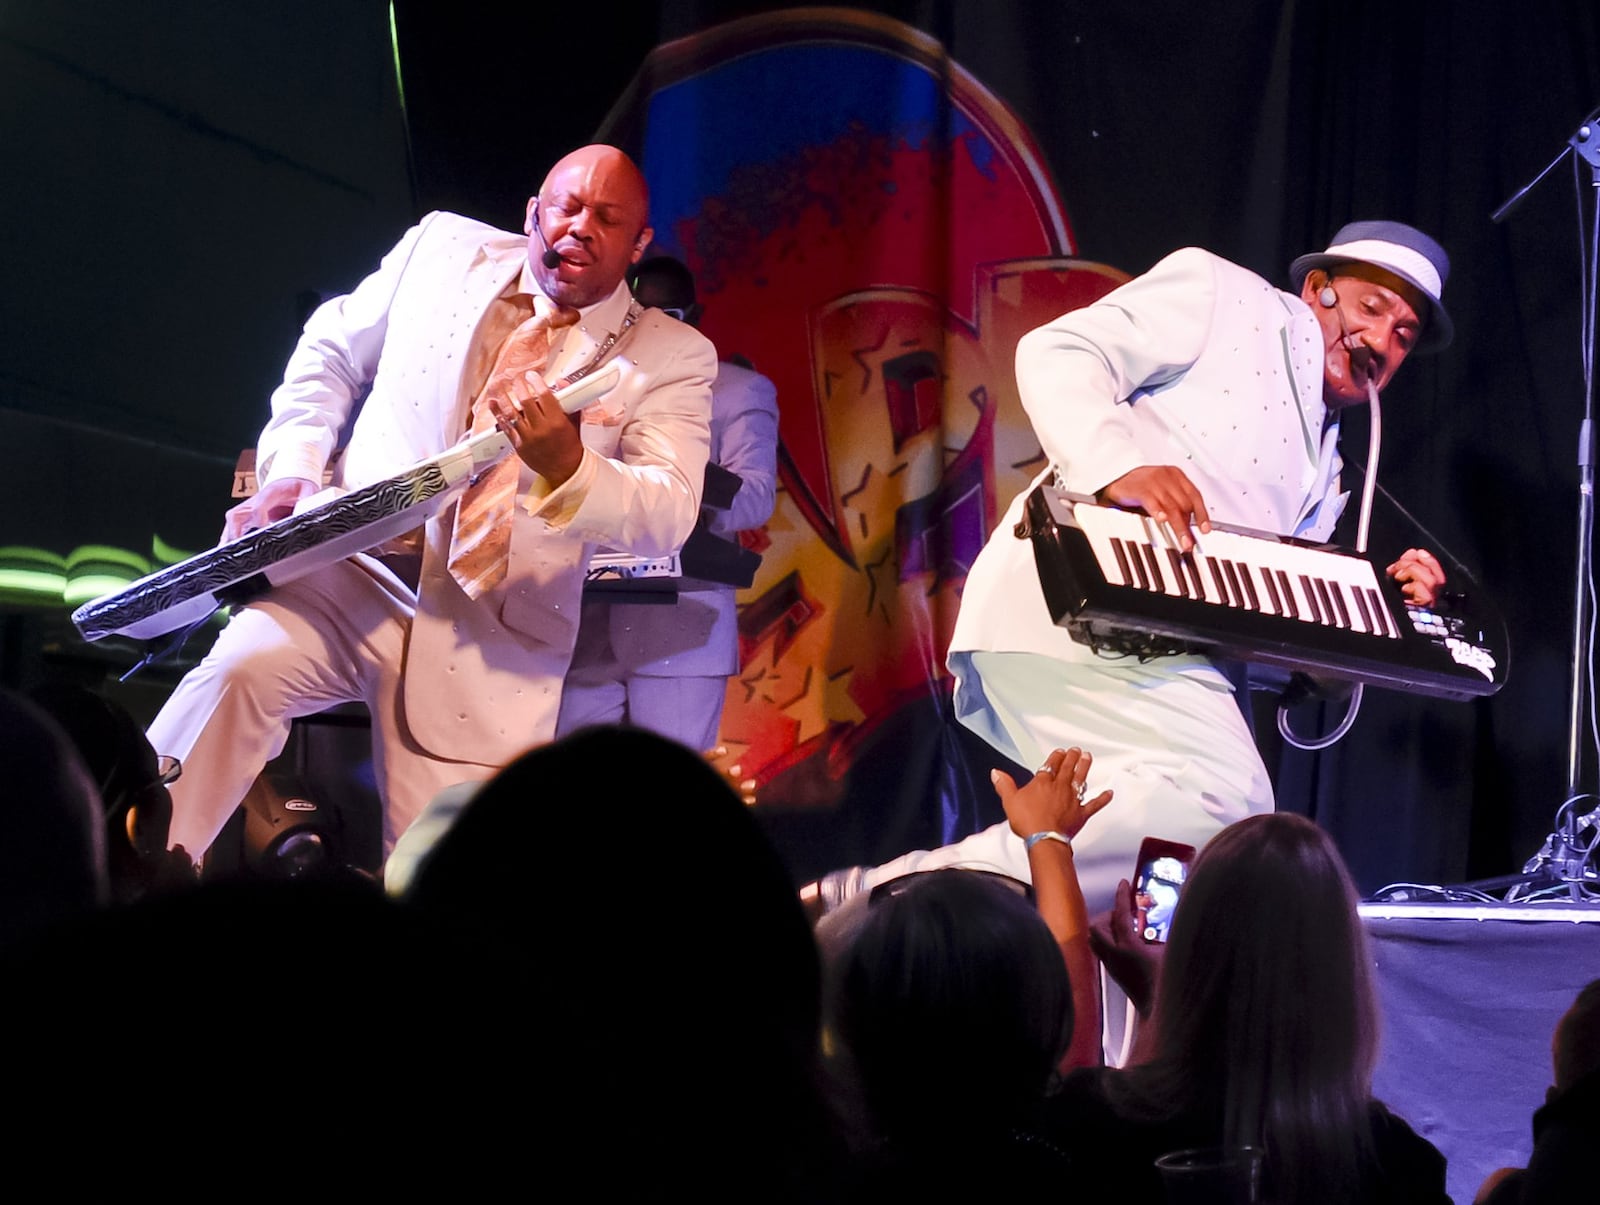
(687, 710)
(334, 636)
(1173, 747)
(599, 689)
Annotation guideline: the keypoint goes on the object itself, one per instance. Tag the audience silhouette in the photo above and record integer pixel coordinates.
(677, 1047)
(1562, 1165)
(554, 987)
(53, 861)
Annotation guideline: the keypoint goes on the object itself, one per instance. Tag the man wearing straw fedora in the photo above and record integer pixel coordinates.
(1198, 393)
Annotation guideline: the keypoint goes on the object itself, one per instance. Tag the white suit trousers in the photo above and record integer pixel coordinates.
(334, 636)
(1174, 749)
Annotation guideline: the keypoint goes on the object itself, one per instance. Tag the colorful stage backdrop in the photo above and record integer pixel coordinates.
(876, 247)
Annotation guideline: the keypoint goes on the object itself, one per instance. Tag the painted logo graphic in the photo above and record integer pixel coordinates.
(873, 230)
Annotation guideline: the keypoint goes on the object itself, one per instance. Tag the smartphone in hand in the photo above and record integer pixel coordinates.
(1158, 879)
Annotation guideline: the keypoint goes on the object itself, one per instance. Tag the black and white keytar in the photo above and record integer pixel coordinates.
(1118, 580)
(329, 527)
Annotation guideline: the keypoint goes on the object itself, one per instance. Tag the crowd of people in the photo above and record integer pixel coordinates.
(548, 990)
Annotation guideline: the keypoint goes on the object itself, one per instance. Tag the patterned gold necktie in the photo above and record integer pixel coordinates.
(481, 541)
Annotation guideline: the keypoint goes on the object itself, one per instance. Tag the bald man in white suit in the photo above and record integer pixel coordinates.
(456, 686)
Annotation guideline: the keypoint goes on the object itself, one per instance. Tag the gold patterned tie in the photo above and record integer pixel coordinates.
(481, 541)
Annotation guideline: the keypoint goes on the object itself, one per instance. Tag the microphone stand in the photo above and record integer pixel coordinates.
(1565, 863)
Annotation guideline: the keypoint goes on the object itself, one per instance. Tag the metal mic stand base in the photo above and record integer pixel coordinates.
(1562, 871)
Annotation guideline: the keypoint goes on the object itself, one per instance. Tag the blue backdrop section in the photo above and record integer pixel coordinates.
(702, 128)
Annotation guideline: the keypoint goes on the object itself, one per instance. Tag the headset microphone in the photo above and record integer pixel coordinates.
(551, 258)
(1360, 354)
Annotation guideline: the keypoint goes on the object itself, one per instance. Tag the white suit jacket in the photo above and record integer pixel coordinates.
(482, 679)
(1198, 363)
(698, 636)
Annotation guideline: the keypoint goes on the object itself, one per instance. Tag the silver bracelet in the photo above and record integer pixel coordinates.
(1048, 835)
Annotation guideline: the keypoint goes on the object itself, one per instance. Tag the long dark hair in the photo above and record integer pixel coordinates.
(1265, 1015)
(675, 1046)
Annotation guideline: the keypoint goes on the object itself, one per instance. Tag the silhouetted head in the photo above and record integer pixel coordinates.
(668, 285)
(129, 779)
(1266, 966)
(954, 1003)
(1265, 1017)
(673, 985)
(1575, 1047)
(53, 858)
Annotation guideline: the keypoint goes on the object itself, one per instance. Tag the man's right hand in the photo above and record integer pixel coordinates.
(274, 501)
(1165, 493)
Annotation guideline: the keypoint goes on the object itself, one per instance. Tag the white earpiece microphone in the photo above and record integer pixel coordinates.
(551, 258)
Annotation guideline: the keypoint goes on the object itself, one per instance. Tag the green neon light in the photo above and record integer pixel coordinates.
(32, 586)
(90, 556)
(76, 591)
(394, 44)
(17, 554)
(31, 575)
(37, 577)
(165, 554)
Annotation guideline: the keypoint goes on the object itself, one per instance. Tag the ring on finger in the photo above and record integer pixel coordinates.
(1082, 788)
(1047, 768)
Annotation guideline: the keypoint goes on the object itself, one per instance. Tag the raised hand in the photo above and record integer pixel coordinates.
(1055, 799)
